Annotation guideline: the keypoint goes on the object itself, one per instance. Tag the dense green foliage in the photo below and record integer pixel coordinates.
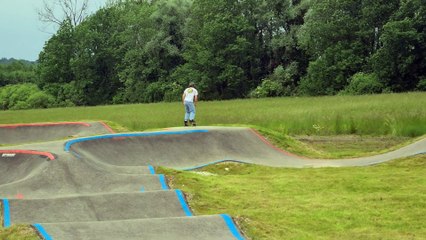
(24, 96)
(14, 71)
(149, 50)
(17, 86)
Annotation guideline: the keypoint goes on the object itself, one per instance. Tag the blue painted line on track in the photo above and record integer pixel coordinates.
(163, 182)
(144, 134)
(151, 169)
(231, 225)
(6, 213)
(212, 163)
(42, 231)
(183, 202)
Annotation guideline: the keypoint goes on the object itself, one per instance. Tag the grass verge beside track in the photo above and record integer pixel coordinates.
(386, 201)
(18, 232)
(339, 146)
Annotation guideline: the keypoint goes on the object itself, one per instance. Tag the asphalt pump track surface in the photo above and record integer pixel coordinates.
(101, 185)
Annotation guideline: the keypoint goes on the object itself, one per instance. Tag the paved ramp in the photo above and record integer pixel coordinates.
(68, 195)
(98, 207)
(183, 228)
(40, 132)
(19, 165)
(105, 186)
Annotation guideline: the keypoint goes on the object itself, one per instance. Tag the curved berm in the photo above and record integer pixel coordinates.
(39, 132)
(179, 148)
(189, 149)
(17, 165)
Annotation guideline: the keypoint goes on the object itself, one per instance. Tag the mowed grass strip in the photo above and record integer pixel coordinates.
(336, 146)
(386, 114)
(386, 201)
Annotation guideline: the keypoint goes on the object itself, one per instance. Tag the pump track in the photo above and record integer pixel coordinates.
(102, 185)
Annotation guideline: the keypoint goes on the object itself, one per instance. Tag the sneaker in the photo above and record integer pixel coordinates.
(193, 123)
(186, 123)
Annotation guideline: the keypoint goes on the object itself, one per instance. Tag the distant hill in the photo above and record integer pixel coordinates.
(7, 61)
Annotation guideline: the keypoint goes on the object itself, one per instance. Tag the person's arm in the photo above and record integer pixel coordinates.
(195, 100)
(183, 98)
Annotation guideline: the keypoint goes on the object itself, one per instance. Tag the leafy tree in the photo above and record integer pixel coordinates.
(329, 73)
(341, 36)
(329, 35)
(400, 62)
(72, 11)
(97, 52)
(54, 69)
(153, 44)
(374, 15)
(219, 53)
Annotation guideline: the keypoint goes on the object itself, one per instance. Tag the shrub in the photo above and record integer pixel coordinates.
(279, 83)
(422, 84)
(20, 105)
(173, 92)
(154, 92)
(40, 100)
(267, 88)
(24, 96)
(363, 83)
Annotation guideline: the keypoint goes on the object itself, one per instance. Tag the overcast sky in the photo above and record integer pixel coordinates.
(21, 33)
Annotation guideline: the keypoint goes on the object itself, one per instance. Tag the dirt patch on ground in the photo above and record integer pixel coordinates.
(349, 145)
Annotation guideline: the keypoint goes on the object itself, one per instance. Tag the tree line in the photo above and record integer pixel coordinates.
(147, 51)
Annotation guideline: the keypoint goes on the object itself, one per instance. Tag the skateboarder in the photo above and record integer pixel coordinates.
(189, 100)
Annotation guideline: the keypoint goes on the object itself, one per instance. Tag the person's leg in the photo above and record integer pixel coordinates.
(187, 114)
(192, 114)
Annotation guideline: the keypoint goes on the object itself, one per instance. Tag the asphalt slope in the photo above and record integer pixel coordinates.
(40, 132)
(66, 195)
(99, 207)
(184, 228)
(67, 175)
(17, 166)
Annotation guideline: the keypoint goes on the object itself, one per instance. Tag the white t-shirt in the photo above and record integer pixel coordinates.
(190, 93)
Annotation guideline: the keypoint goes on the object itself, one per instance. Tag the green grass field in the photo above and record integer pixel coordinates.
(386, 114)
(386, 201)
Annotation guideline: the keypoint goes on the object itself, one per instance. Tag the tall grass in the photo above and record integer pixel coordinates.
(387, 114)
